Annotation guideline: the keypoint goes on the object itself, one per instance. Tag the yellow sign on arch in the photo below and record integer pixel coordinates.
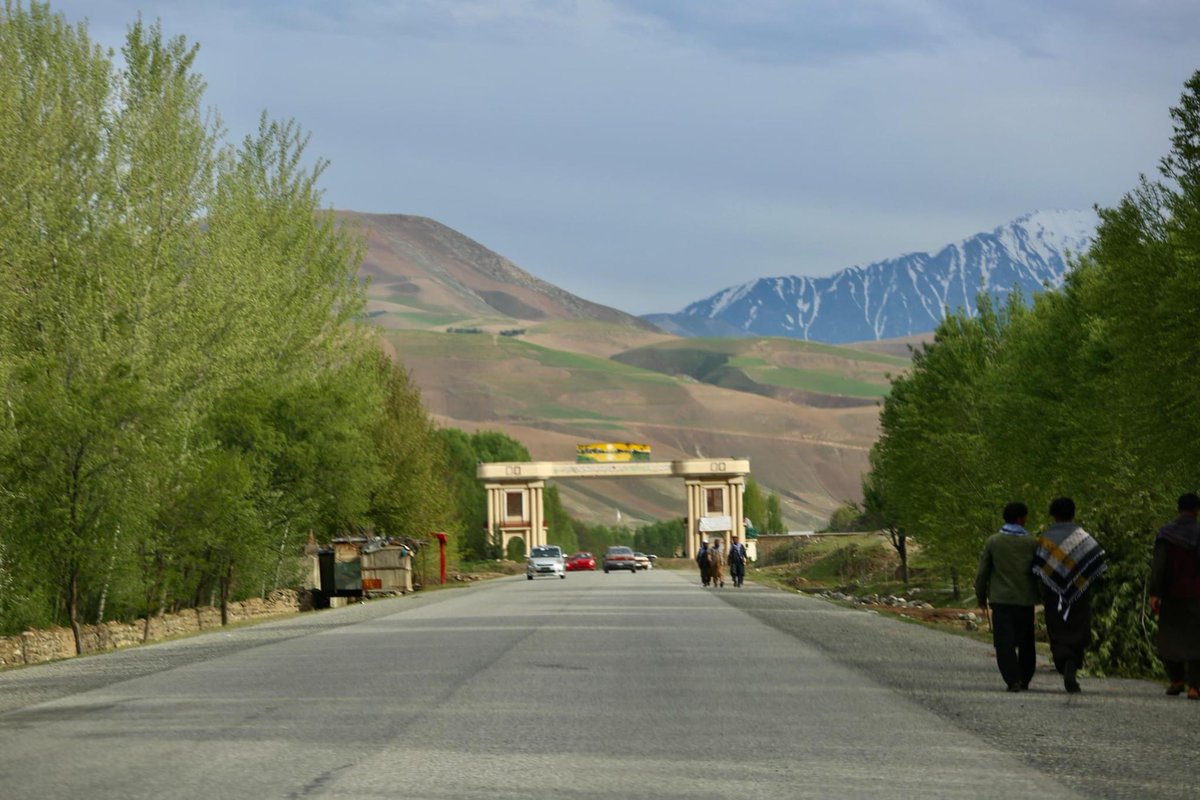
(611, 451)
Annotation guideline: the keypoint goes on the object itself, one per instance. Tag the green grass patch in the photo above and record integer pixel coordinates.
(737, 347)
(862, 564)
(558, 411)
(569, 326)
(814, 381)
(431, 319)
(579, 364)
(729, 362)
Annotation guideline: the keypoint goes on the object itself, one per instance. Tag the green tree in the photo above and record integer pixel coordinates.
(412, 500)
(754, 505)
(148, 276)
(878, 513)
(1087, 392)
(661, 538)
(933, 441)
(560, 531)
(89, 384)
(515, 551)
(464, 452)
(846, 517)
(468, 498)
(775, 523)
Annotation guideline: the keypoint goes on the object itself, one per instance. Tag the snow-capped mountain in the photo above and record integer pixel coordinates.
(899, 296)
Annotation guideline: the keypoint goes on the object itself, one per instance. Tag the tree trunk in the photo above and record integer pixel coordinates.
(279, 559)
(73, 609)
(112, 561)
(900, 542)
(954, 584)
(153, 593)
(226, 583)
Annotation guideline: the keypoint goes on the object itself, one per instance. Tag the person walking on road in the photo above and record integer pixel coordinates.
(1005, 582)
(1067, 561)
(1175, 597)
(702, 562)
(737, 561)
(716, 563)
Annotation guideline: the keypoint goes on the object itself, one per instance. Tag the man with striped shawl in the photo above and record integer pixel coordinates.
(1067, 560)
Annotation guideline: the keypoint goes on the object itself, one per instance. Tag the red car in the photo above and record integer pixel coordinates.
(581, 561)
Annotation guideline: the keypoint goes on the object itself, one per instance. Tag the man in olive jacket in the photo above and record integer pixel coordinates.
(1006, 582)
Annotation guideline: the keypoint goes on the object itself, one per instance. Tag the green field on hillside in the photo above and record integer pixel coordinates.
(740, 347)
(809, 379)
(431, 319)
(487, 347)
(559, 411)
(785, 363)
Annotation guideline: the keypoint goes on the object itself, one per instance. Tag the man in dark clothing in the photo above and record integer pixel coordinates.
(737, 561)
(702, 560)
(1175, 597)
(1005, 582)
(1067, 560)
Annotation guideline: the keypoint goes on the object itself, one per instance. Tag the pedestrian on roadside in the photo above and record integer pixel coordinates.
(1005, 582)
(702, 562)
(1067, 561)
(737, 561)
(1175, 597)
(716, 563)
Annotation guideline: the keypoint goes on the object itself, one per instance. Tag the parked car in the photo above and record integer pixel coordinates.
(619, 557)
(581, 561)
(643, 560)
(545, 560)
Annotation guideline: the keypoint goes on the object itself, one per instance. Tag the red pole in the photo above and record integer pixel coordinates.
(441, 537)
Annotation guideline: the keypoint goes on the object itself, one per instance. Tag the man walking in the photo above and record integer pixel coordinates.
(1005, 583)
(1175, 597)
(716, 564)
(702, 562)
(737, 561)
(1067, 560)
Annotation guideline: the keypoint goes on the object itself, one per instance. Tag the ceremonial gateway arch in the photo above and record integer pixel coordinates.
(514, 495)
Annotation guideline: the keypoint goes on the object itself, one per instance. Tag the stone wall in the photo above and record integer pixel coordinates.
(36, 646)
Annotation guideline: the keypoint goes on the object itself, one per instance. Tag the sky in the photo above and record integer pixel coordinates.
(647, 154)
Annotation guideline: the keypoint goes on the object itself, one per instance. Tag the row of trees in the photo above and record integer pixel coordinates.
(1091, 391)
(186, 387)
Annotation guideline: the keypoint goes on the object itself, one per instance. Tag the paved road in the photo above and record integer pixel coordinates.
(597, 686)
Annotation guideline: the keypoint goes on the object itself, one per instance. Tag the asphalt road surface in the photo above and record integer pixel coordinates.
(597, 686)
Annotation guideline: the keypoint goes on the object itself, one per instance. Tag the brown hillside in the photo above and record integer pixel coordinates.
(803, 414)
(901, 346)
(551, 401)
(420, 265)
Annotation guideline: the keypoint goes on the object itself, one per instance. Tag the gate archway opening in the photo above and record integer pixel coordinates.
(515, 493)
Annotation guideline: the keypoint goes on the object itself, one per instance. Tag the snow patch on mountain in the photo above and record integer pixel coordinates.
(898, 296)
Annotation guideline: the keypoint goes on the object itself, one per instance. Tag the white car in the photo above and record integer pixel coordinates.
(546, 560)
(643, 561)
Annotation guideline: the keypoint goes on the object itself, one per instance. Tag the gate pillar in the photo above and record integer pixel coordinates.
(514, 510)
(715, 510)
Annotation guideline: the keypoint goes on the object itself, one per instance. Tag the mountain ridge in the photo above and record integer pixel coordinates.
(895, 297)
